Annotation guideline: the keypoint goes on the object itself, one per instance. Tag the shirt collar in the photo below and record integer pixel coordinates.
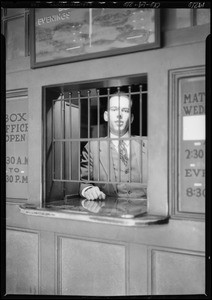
(116, 138)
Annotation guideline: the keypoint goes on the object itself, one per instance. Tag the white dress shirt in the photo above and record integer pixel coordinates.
(116, 142)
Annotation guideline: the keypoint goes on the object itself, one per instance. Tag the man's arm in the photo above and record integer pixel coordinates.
(86, 168)
(88, 190)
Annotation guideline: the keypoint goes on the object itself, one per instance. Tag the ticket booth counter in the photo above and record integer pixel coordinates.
(69, 246)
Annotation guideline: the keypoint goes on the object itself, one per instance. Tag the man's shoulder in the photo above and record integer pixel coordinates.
(96, 144)
(139, 140)
(99, 141)
(136, 139)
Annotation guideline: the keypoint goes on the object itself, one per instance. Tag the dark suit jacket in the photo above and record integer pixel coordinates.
(99, 164)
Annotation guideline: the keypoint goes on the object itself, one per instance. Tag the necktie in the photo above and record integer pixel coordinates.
(123, 153)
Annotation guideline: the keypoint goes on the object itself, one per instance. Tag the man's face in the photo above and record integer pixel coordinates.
(118, 114)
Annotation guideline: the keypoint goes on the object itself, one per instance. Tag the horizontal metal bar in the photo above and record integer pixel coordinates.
(100, 96)
(95, 181)
(101, 139)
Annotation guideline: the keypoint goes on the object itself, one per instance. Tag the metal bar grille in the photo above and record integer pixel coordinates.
(98, 130)
(103, 96)
(140, 131)
(95, 181)
(79, 144)
(129, 92)
(53, 140)
(70, 137)
(85, 103)
(89, 125)
(119, 162)
(98, 139)
(140, 94)
(62, 135)
(108, 134)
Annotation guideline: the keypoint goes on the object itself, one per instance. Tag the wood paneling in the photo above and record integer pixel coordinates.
(90, 268)
(172, 235)
(47, 263)
(177, 273)
(22, 262)
(138, 268)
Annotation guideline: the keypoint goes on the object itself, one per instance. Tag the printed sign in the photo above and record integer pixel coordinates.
(192, 145)
(17, 148)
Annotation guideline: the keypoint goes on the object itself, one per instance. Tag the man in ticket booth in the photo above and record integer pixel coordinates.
(118, 165)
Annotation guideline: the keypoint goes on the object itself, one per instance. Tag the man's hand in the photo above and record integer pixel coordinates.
(94, 193)
(93, 206)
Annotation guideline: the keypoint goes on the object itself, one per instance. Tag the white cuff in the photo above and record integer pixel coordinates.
(85, 189)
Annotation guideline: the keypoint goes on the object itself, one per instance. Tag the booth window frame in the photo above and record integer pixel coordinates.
(78, 86)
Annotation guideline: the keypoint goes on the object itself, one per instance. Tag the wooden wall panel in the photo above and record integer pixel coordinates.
(138, 268)
(90, 268)
(47, 263)
(177, 273)
(22, 262)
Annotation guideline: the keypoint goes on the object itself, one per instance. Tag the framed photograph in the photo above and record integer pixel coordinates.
(187, 142)
(61, 35)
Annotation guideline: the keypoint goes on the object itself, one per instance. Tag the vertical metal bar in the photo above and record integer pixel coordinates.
(79, 111)
(53, 142)
(140, 97)
(89, 126)
(129, 91)
(119, 162)
(108, 131)
(64, 136)
(61, 136)
(70, 137)
(108, 109)
(89, 113)
(98, 133)
(98, 115)
(65, 165)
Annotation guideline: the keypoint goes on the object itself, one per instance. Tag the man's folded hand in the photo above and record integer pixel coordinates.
(94, 193)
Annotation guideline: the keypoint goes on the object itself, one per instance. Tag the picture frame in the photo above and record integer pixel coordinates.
(63, 35)
(187, 101)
